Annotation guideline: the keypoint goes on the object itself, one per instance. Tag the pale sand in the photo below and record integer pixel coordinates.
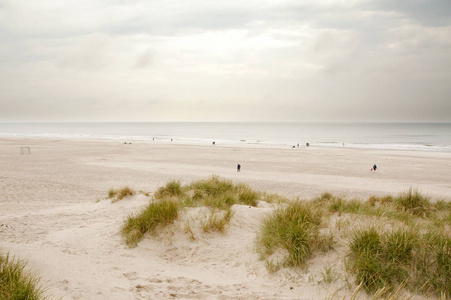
(51, 216)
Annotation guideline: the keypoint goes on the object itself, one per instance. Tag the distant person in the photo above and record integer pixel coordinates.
(238, 167)
(307, 144)
(374, 168)
(213, 143)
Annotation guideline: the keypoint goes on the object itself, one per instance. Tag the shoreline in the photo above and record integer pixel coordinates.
(243, 143)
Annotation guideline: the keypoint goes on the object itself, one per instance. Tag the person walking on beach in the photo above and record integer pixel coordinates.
(238, 167)
(374, 168)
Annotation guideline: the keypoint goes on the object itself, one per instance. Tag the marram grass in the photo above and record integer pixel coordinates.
(294, 230)
(414, 203)
(160, 212)
(385, 259)
(117, 195)
(172, 189)
(408, 247)
(217, 221)
(214, 192)
(16, 282)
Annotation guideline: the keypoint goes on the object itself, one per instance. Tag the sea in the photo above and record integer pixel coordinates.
(396, 136)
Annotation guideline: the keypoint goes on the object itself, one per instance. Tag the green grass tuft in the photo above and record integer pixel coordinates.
(214, 192)
(211, 187)
(158, 213)
(293, 228)
(414, 203)
(221, 193)
(402, 257)
(217, 221)
(171, 189)
(367, 259)
(433, 263)
(112, 193)
(374, 200)
(246, 195)
(328, 275)
(16, 282)
(117, 195)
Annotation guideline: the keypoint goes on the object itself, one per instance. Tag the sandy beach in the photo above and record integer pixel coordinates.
(54, 213)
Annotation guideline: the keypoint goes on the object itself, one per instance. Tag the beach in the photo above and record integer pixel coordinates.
(54, 213)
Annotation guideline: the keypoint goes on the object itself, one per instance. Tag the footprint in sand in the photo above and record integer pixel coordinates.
(64, 284)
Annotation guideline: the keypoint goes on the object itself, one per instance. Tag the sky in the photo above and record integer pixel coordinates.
(230, 60)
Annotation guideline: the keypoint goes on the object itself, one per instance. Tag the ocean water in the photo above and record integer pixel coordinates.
(405, 136)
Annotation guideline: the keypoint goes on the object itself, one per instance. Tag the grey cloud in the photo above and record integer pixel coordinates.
(172, 22)
(427, 12)
(144, 60)
(376, 60)
(91, 54)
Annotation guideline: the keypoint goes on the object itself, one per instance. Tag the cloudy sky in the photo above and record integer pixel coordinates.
(229, 60)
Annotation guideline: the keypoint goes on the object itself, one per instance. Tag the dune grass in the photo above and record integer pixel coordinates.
(16, 282)
(295, 230)
(221, 193)
(406, 207)
(159, 212)
(381, 260)
(420, 261)
(172, 189)
(112, 193)
(416, 255)
(414, 203)
(406, 242)
(214, 192)
(117, 195)
(217, 221)
(432, 263)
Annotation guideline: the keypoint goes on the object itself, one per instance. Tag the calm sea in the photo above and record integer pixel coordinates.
(407, 136)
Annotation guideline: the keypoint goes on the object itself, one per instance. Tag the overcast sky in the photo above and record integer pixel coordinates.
(229, 60)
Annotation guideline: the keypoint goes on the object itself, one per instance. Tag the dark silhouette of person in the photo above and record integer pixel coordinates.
(374, 168)
(238, 167)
